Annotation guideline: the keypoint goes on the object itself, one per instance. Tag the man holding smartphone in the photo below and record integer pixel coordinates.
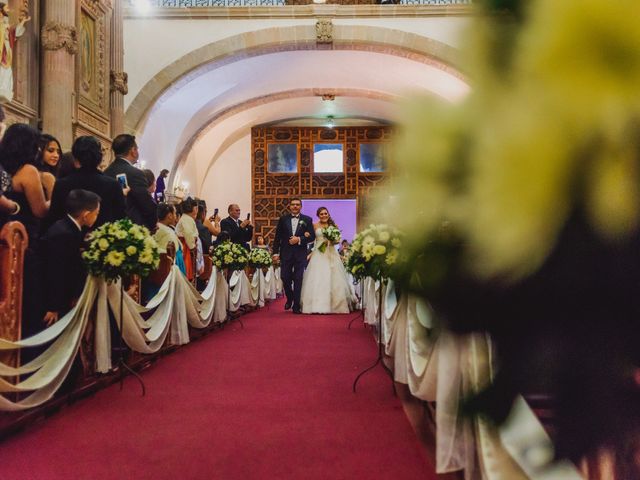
(240, 231)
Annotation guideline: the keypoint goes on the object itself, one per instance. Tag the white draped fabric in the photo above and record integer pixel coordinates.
(176, 306)
(259, 288)
(271, 288)
(240, 294)
(444, 368)
(221, 303)
(278, 277)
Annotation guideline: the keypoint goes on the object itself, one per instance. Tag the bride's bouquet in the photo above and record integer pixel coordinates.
(332, 234)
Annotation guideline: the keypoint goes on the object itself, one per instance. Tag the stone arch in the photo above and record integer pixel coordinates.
(278, 39)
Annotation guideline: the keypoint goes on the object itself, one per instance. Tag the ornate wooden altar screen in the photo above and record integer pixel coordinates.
(271, 190)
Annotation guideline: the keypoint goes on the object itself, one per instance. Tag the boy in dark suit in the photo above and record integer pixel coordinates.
(65, 273)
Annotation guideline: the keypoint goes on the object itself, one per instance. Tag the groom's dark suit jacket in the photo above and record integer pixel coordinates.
(283, 232)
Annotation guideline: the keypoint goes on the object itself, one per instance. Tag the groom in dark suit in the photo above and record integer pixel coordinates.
(293, 233)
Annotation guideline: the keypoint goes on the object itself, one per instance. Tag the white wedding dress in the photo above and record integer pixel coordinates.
(325, 286)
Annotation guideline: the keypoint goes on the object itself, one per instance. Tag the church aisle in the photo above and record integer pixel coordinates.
(272, 400)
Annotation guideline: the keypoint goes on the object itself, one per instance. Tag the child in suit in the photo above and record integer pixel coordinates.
(65, 273)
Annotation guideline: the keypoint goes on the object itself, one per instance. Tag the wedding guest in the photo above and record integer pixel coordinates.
(188, 234)
(87, 151)
(240, 231)
(7, 207)
(48, 159)
(18, 148)
(125, 148)
(47, 162)
(141, 207)
(160, 185)
(165, 234)
(260, 243)
(207, 227)
(344, 248)
(67, 164)
(64, 271)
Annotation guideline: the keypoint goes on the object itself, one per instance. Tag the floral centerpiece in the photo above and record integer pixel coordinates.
(333, 236)
(375, 252)
(119, 249)
(259, 258)
(231, 256)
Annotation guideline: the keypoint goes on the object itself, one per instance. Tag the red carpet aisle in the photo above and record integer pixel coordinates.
(272, 401)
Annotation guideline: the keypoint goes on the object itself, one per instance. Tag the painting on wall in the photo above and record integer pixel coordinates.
(282, 158)
(372, 157)
(87, 55)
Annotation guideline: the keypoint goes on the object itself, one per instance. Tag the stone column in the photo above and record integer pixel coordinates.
(59, 46)
(118, 77)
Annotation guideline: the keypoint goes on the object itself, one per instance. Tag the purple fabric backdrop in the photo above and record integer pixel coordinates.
(343, 213)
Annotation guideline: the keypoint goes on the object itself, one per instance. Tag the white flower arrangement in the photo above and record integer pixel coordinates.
(333, 236)
(376, 252)
(120, 249)
(259, 258)
(230, 255)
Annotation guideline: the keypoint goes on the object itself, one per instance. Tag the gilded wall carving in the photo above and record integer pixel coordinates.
(93, 49)
(272, 190)
(93, 76)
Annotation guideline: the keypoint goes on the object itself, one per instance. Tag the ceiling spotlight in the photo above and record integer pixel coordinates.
(330, 122)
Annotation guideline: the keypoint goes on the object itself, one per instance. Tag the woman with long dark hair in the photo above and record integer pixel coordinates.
(18, 151)
(48, 162)
(325, 287)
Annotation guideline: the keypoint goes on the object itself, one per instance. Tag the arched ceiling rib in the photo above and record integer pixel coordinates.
(184, 111)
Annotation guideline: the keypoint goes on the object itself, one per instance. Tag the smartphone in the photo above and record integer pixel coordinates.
(248, 216)
(215, 213)
(122, 180)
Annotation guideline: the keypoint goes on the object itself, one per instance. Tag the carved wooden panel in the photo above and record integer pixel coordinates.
(13, 243)
(272, 191)
(92, 66)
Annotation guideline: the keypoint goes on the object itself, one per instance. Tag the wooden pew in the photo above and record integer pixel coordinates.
(158, 276)
(208, 268)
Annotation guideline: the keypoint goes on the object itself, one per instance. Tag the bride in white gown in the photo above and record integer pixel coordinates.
(325, 287)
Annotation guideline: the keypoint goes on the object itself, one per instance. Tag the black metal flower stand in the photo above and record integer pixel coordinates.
(360, 314)
(380, 359)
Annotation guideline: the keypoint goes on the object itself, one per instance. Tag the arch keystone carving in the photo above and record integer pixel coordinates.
(324, 30)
